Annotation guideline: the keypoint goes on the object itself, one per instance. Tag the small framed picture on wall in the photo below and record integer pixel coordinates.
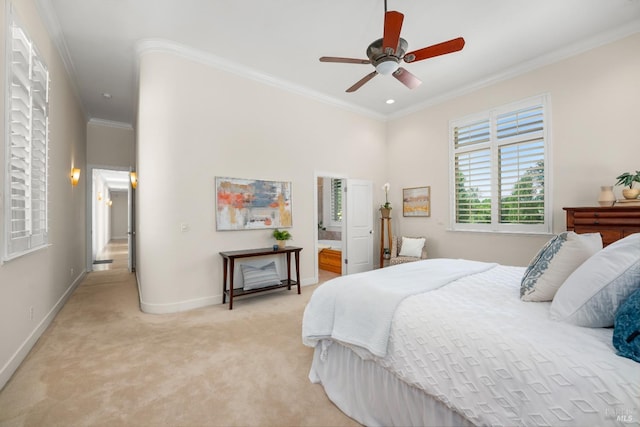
(416, 201)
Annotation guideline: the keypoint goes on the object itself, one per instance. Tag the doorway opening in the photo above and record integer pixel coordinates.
(110, 206)
(329, 236)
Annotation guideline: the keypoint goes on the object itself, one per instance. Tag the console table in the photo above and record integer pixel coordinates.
(229, 258)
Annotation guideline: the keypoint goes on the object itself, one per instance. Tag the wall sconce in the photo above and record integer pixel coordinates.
(99, 195)
(134, 180)
(108, 202)
(74, 176)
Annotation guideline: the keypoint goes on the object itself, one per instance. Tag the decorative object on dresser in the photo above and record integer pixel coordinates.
(613, 223)
(627, 179)
(606, 197)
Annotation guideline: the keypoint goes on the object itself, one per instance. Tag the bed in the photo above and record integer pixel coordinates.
(447, 342)
(330, 255)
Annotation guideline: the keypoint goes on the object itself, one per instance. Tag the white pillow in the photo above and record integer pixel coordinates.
(592, 294)
(412, 247)
(555, 262)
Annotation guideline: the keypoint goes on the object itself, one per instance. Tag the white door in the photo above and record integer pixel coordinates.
(358, 254)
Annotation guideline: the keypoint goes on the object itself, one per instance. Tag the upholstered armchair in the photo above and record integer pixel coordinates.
(415, 249)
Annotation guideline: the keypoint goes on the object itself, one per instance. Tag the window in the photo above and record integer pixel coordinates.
(336, 200)
(26, 148)
(499, 170)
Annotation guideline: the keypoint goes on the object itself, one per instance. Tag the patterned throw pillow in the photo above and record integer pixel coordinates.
(555, 262)
(259, 277)
(626, 331)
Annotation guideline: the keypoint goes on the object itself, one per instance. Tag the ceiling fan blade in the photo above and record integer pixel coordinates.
(435, 50)
(392, 27)
(344, 60)
(361, 82)
(408, 79)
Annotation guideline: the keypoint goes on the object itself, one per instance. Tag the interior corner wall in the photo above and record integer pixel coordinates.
(595, 102)
(196, 122)
(35, 286)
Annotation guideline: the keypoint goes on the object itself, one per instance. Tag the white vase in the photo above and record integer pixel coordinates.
(606, 197)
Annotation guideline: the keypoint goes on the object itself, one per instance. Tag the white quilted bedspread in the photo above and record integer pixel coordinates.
(502, 362)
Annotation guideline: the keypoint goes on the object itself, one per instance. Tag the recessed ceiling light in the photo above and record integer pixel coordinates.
(390, 101)
(106, 95)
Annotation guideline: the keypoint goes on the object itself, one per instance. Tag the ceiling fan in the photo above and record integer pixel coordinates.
(386, 53)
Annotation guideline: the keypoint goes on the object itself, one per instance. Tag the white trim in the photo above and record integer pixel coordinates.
(23, 350)
(51, 22)
(166, 46)
(110, 123)
(523, 68)
(186, 305)
(494, 144)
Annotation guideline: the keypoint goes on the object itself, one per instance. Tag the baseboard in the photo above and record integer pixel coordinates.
(176, 307)
(18, 357)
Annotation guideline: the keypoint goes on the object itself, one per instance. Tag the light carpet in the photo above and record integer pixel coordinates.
(103, 362)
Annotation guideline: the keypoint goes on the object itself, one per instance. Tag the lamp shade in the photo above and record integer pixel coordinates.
(387, 67)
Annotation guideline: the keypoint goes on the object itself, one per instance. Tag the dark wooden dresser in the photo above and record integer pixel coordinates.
(613, 223)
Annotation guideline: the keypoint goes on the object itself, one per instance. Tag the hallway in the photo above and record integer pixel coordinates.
(114, 256)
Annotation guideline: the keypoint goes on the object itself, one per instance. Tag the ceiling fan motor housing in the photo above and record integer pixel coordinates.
(386, 62)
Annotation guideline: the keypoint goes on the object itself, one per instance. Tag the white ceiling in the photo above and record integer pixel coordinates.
(280, 41)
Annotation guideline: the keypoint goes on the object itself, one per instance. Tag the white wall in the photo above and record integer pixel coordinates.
(110, 144)
(595, 105)
(195, 123)
(119, 212)
(44, 279)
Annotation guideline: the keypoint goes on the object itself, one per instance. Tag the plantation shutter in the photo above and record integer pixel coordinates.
(472, 173)
(27, 145)
(521, 154)
(336, 200)
(498, 170)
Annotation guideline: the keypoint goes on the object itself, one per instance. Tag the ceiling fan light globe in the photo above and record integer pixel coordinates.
(387, 67)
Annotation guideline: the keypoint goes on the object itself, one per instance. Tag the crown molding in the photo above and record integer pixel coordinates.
(52, 24)
(167, 46)
(601, 39)
(110, 123)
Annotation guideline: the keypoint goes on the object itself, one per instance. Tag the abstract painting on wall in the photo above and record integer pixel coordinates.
(416, 201)
(248, 204)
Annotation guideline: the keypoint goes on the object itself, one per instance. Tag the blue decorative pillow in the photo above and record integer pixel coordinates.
(626, 331)
(259, 277)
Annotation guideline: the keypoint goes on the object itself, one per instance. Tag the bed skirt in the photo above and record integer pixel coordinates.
(374, 396)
